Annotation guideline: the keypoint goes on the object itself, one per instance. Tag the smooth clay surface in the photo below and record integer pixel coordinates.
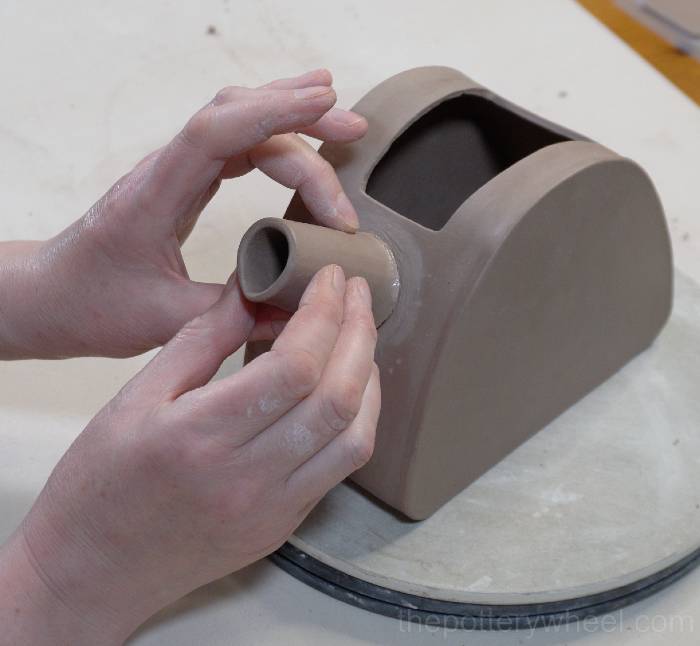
(533, 265)
(606, 494)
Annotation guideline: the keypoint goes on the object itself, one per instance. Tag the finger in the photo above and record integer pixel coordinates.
(292, 162)
(308, 79)
(338, 125)
(192, 357)
(234, 122)
(265, 389)
(269, 323)
(239, 118)
(335, 403)
(348, 452)
(182, 300)
(315, 326)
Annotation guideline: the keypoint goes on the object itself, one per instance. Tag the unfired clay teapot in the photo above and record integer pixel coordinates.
(514, 265)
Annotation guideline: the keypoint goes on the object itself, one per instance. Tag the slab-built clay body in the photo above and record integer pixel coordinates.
(533, 264)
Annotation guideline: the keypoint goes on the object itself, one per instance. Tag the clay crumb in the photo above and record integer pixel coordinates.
(212, 30)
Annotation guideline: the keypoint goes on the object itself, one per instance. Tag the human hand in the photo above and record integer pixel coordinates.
(178, 481)
(114, 283)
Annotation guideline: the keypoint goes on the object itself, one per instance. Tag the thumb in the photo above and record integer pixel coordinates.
(186, 299)
(182, 300)
(192, 357)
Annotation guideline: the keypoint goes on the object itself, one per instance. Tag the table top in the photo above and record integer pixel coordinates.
(90, 89)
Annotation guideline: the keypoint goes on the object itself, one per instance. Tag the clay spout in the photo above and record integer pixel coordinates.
(277, 259)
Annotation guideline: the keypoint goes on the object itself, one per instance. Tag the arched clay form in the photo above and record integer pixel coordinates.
(533, 265)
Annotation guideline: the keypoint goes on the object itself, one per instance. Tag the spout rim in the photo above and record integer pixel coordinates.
(279, 284)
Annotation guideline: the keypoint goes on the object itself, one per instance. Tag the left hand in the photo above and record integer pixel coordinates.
(114, 283)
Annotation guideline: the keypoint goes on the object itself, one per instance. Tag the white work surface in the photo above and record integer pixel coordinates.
(87, 90)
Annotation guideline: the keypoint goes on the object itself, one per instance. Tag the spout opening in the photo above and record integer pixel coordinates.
(265, 258)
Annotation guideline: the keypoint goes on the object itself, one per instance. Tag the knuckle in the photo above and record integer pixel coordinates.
(361, 449)
(299, 176)
(197, 129)
(300, 372)
(227, 94)
(342, 403)
(322, 168)
(315, 169)
(263, 127)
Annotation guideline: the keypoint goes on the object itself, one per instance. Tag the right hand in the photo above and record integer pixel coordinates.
(180, 480)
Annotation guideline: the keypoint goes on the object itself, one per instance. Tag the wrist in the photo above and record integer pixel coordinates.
(20, 283)
(33, 612)
(36, 313)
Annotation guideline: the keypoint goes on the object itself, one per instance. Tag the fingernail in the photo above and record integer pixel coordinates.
(338, 279)
(329, 276)
(311, 92)
(313, 286)
(345, 118)
(346, 211)
(318, 70)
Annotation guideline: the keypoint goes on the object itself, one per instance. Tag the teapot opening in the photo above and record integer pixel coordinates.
(449, 153)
